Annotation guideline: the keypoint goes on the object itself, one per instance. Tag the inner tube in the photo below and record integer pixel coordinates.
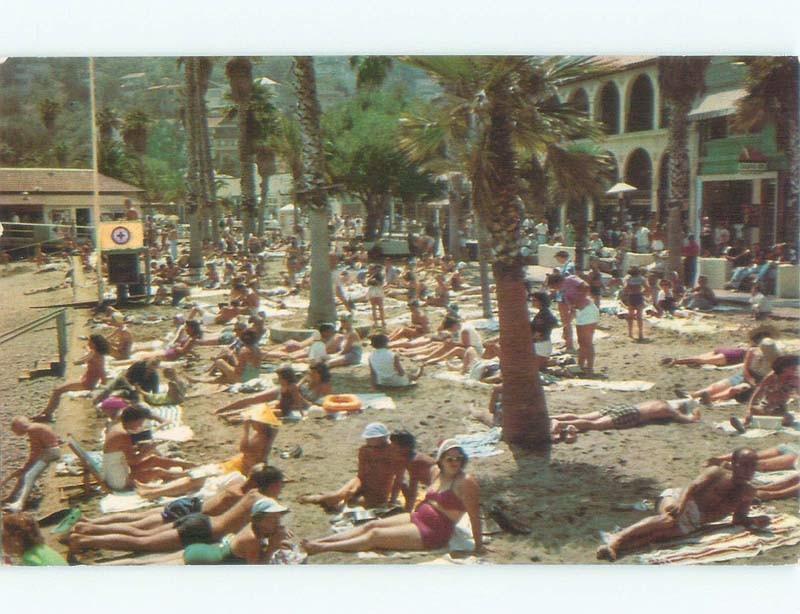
(334, 403)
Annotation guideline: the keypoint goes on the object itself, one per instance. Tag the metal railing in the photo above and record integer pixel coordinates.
(59, 315)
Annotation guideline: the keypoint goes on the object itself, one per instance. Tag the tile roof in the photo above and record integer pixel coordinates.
(36, 180)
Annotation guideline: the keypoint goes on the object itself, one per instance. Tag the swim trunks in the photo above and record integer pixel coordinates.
(623, 415)
(690, 520)
(194, 529)
(180, 508)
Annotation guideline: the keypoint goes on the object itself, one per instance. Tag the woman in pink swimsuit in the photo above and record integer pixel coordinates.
(95, 372)
(452, 494)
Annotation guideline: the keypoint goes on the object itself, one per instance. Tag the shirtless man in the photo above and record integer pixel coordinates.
(262, 478)
(193, 528)
(123, 462)
(44, 450)
(626, 415)
(713, 495)
(376, 473)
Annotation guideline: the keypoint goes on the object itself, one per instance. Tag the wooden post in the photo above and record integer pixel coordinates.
(61, 331)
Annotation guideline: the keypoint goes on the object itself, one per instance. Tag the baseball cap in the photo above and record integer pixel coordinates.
(375, 429)
(267, 505)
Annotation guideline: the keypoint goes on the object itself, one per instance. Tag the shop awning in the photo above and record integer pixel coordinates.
(718, 104)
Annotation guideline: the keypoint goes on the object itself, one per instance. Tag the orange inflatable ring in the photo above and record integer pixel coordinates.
(334, 403)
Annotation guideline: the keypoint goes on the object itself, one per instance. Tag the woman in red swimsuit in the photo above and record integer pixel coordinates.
(452, 494)
(95, 372)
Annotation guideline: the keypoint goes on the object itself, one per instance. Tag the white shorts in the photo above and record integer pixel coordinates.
(375, 292)
(588, 315)
(543, 348)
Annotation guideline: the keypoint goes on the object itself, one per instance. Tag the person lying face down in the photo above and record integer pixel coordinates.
(627, 415)
(713, 495)
(254, 544)
(191, 528)
(376, 471)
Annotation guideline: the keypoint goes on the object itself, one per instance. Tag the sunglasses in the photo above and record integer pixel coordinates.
(454, 458)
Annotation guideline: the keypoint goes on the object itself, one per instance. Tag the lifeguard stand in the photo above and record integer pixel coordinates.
(122, 243)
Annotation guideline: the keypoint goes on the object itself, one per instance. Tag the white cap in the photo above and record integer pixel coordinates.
(267, 505)
(447, 444)
(375, 429)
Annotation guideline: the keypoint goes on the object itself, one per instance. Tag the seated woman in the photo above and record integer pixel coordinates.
(23, 540)
(121, 340)
(702, 297)
(290, 398)
(98, 349)
(236, 367)
(376, 470)
(242, 301)
(773, 393)
(463, 337)
(420, 325)
(485, 367)
(626, 415)
(294, 351)
(385, 368)
(352, 350)
(452, 493)
(316, 385)
(258, 436)
(419, 467)
(441, 293)
(757, 365)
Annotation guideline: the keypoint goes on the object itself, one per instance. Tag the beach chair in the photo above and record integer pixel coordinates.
(91, 469)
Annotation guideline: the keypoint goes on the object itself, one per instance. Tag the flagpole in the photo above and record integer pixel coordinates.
(95, 185)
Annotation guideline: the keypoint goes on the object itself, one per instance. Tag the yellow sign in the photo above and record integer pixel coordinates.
(121, 235)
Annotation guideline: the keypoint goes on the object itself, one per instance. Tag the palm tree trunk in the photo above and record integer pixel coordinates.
(525, 420)
(321, 307)
(248, 175)
(454, 224)
(580, 237)
(679, 173)
(484, 252)
(193, 171)
(791, 230)
(262, 206)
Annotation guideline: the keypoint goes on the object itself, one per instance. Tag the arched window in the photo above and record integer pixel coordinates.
(580, 101)
(609, 108)
(639, 170)
(640, 105)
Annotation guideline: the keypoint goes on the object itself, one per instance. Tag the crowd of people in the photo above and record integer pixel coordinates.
(229, 511)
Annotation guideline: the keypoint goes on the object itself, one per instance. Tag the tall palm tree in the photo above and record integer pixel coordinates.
(135, 130)
(191, 117)
(266, 162)
(772, 95)
(314, 195)
(503, 109)
(204, 67)
(681, 80)
(240, 75)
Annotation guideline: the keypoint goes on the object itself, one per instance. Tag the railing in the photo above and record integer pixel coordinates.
(60, 316)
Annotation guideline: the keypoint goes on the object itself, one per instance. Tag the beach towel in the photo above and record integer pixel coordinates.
(174, 430)
(728, 543)
(718, 368)
(123, 502)
(481, 444)
(257, 384)
(460, 378)
(619, 386)
(684, 326)
(765, 478)
(757, 433)
(376, 401)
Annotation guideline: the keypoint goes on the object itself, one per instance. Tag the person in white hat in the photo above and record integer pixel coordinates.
(373, 484)
(430, 527)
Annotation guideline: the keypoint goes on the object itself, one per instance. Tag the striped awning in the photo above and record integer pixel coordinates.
(718, 104)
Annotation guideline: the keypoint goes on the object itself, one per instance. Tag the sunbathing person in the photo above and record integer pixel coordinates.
(352, 350)
(121, 340)
(780, 458)
(419, 467)
(193, 528)
(316, 385)
(626, 415)
(266, 480)
(95, 373)
(22, 539)
(239, 366)
(241, 301)
(772, 395)
(258, 436)
(723, 357)
(373, 484)
(123, 462)
(385, 368)
(323, 342)
(44, 449)
(451, 494)
(482, 368)
(420, 325)
(716, 493)
(255, 544)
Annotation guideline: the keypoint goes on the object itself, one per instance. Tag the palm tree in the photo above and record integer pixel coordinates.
(496, 111)
(371, 70)
(322, 307)
(191, 117)
(681, 79)
(135, 129)
(267, 166)
(772, 95)
(240, 75)
(204, 67)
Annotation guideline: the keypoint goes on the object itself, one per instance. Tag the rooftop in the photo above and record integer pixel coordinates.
(61, 180)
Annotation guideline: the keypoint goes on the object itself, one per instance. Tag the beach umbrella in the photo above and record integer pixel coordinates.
(621, 188)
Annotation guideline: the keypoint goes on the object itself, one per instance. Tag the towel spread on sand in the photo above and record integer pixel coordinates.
(728, 543)
(755, 433)
(464, 380)
(481, 444)
(376, 401)
(175, 429)
(684, 326)
(619, 386)
(718, 368)
(123, 502)
(461, 541)
(765, 478)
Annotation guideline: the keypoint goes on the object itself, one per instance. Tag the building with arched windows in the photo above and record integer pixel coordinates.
(736, 178)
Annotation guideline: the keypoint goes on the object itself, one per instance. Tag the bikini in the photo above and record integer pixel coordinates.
(435, 528)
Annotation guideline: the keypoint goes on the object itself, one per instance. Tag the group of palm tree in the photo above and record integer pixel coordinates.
(500, 123)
